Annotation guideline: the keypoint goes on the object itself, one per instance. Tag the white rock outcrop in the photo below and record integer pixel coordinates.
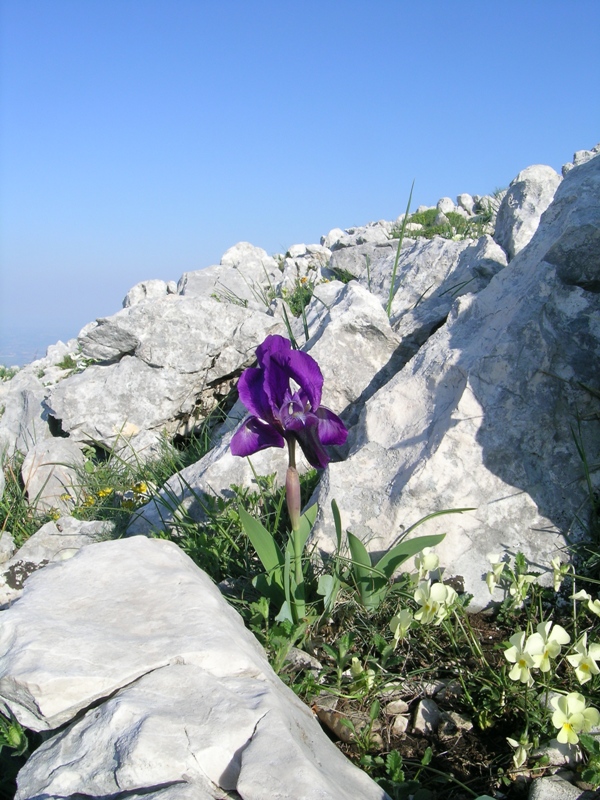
(157, 685)
(483, 415)
(528, 196)
(161, 363)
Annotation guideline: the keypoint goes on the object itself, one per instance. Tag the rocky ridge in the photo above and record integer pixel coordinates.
(464, 396)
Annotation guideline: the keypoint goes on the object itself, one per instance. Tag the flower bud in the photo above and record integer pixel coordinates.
(292, 496)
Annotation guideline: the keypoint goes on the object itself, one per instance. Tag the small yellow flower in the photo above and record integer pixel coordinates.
(362, 676)
(400, 624)
(436, 602)
(572, 717)
(593, 605)
(522, 660)
(140, 488)
(584, 660)
(89, 501)
(559, 571)
(521, 748)
(546, 644)
(105, 492)
(493, 576)
(427, 561)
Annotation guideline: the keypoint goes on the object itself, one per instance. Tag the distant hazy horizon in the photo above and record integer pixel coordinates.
(142, 139)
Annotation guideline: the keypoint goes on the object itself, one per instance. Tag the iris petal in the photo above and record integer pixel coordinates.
(308, 439)
(306, 372)
(331, 428)
(255, 435)
(252, 393)
(280, 411)
(276, 381)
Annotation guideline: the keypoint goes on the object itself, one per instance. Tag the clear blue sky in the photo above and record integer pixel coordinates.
(142, 138)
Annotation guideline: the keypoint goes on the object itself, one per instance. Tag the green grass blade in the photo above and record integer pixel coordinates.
(434, 514)
(388, 309)
(290, 332)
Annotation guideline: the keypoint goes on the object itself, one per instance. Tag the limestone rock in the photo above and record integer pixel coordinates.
(466, 422)
(307, 267)
(360, 260)
(528, 196)
(177, 691)
(23, 418)
(24, 421)
(445, 204)
(466, 201)
(148, 290)
(554, 787)
(427, 717)
(244, 277)
(374, 233)
(580, 157)
(51, 474)
(53, 542)
(7, 546)
(354, 346)
(167, 361)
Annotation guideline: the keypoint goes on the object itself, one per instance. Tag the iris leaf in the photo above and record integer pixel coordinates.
(266, 547)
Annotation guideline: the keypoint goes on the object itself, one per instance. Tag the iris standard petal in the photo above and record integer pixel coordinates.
(252, 393)
(255, 435)
(270, 354)
(303, 369)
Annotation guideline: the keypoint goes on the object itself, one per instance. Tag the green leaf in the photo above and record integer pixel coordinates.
(388, 309)
(328, 587)
(266, 548)
(265, 586)
(369, 583)
(338, 525)
(390, 562)
(374, 710)
(307, 520)
(285, 614)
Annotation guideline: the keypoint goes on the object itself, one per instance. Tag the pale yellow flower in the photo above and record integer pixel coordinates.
(546, 644)
(572, 717)
(400, 624)
(584, 660)
(427, 561)
(559, 570)
(522, 660)
(493, 576)
(521, 749)
(593, 605)
(436, 602)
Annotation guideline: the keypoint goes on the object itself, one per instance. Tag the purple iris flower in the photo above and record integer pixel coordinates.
(283, 395)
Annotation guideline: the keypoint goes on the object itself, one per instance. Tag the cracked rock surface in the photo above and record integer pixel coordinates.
(157, 687)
